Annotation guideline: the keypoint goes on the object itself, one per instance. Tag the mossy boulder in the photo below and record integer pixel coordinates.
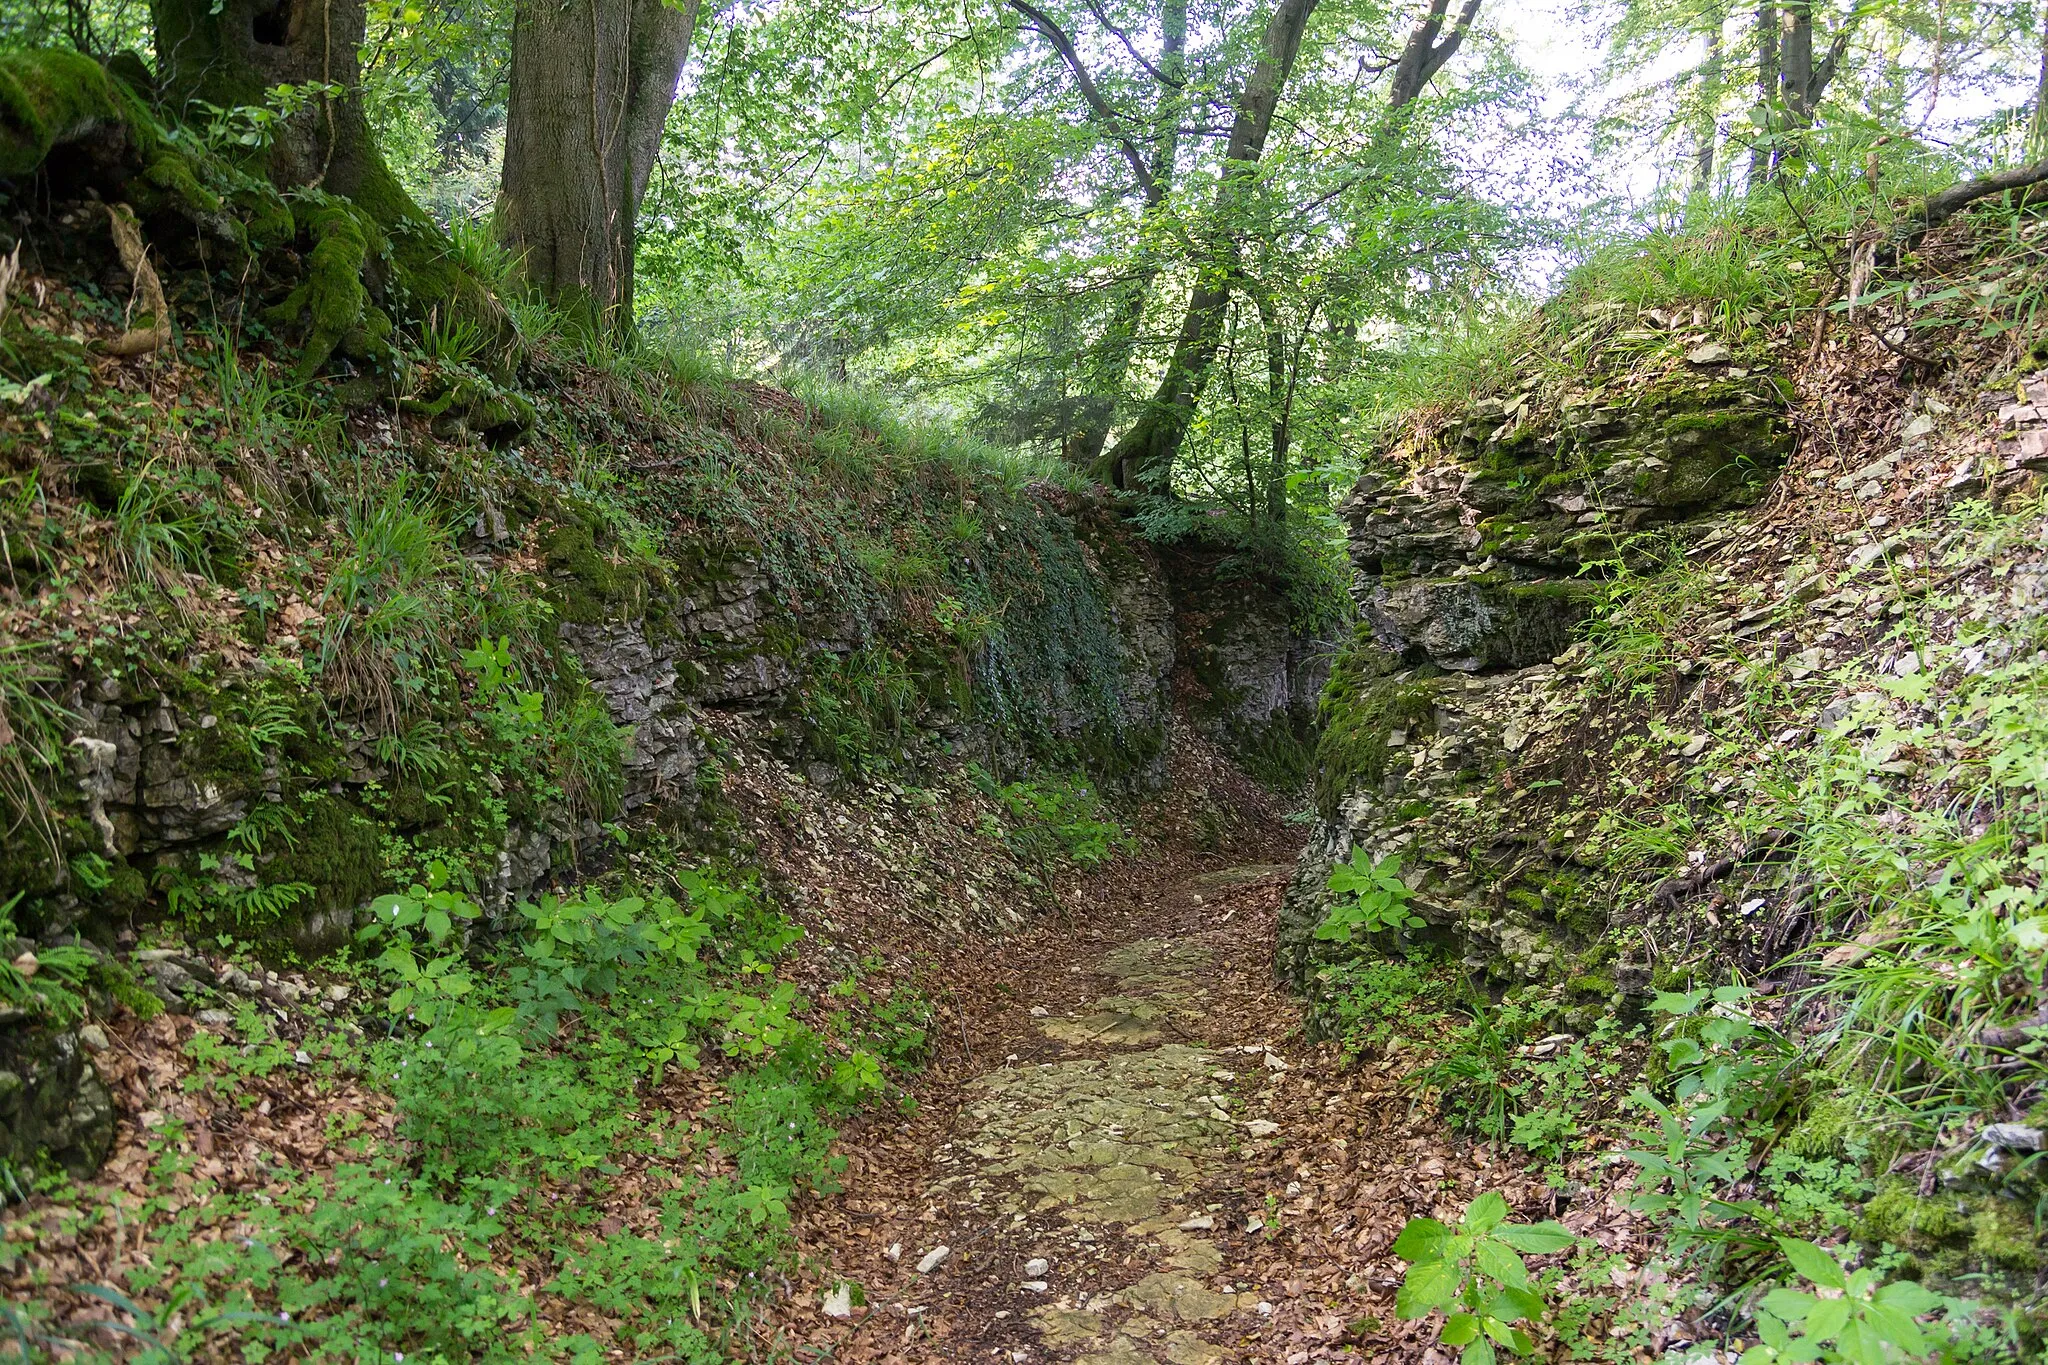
(1954, 1234)
(1369, 701)
(53, 100)
(53, 1106)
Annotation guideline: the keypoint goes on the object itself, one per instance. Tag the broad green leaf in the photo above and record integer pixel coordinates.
(1909, 1297)
(1512, 1304)
(1488, 1211)
(1826, 1318)
(1810, 1261)
(1430, 1285)
(1459, 1328)
(1479, 1352)
(1789, 1304)
(1421, 1240)
(1498, 1261)
(1536, 1239)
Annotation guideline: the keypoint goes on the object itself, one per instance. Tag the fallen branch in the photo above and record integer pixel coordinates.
(2016, 1035)
(1942, 205)
(149, 290)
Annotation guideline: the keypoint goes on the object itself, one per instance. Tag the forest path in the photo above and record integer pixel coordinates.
(1143, 1165)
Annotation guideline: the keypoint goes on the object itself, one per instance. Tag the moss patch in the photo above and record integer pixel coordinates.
(335, 850)
(1954, 1234)
(1366, 700)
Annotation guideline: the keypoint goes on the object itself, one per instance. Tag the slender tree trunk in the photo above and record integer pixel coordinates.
(1763, 158)
(1709, 131)
(2037, 127)
(1145, 456)
(591, 86)
(1795, 64)
(1279, 403)
(1120, 337)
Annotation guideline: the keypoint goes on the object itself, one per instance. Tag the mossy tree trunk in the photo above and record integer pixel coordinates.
(374, 252)
(228, 53)
(592, 84)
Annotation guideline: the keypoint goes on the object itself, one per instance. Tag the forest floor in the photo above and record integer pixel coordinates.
(1131, 1154)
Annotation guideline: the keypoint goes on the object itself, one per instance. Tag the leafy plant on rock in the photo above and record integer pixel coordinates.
(1369, 897)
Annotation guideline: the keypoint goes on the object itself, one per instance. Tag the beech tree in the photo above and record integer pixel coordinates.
(230, 53)
(1144, 456)
(592, 83)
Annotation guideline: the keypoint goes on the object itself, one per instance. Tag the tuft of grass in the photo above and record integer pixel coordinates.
(387, 603)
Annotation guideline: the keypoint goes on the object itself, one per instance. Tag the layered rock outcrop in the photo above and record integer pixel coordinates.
(1474, 571)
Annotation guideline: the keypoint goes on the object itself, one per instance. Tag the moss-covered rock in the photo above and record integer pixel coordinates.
(597, 578)
(53, 1105)
(52, 100)
(338, 852)
(1955, 1234)
(1369, 700)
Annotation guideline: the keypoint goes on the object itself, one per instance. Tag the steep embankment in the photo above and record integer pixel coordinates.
(479, 821)
(1702, 649)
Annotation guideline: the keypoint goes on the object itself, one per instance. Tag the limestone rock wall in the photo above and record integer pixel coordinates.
(1474, 571)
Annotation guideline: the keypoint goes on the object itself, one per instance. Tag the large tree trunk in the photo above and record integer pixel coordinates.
(1144, 457)
(592, 83)
(229, 52)
(1795, 63)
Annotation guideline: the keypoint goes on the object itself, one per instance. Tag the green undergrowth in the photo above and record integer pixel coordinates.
(1892, 805)
(255, 549)
(1736, 271)
(528, 1089)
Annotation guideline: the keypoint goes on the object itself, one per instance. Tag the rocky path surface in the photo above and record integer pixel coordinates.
(1143, 1164)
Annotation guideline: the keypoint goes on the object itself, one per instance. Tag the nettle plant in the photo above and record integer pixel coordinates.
(1368, 897)
(1474, 1274)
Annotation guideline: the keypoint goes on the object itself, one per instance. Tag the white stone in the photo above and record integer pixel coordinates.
(1259, 1128)
(933, 1259)
(1034, 1286)
(839, 1301)
(1036, 1268)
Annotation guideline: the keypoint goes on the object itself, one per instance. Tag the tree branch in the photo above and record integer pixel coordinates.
(1098, 106)
(1095, 8)
(1939, 207)
(1424, 55)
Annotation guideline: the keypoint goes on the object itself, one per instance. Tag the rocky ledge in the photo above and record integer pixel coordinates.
(1473, 573)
